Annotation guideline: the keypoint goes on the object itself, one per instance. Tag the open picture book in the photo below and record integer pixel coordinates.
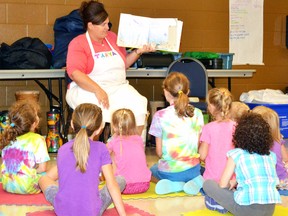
(136, 31)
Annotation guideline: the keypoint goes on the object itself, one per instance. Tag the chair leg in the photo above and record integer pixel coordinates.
(67, 124)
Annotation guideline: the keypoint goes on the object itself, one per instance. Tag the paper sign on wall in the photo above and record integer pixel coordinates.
(246, 31)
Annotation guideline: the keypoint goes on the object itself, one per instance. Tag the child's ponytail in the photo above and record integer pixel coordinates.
(86, 119)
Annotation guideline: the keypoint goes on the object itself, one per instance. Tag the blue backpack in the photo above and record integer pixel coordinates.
(65, 29)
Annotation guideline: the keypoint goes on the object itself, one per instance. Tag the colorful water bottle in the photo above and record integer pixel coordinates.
(53, 139)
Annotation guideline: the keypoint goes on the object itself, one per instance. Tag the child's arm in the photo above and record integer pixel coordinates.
(49, 179)
(284, 154)
(227, 174)
(158, 147)
(113, 189)
(41, 167)
(203, 150)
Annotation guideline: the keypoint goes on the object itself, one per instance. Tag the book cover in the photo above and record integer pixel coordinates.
(136, 31)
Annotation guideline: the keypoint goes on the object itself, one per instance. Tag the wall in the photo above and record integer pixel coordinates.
(205, 29)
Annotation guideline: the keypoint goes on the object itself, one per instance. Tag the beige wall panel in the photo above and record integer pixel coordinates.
(12, 1)
(60, 2)
(211, 5)
(3, 13)
(76, 3)
(13, 83)
(279, 6)
(56, 11)
(42, 31)
(3, 97)
(12, 32)
(26, 14)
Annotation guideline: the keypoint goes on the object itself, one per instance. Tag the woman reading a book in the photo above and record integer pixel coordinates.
(98, 66)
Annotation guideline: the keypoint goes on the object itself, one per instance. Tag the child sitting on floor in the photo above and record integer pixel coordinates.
(237, 110)
(272, 118)
(254, 191)
(128, 154)
(79, 163)
(177, 129)
(25, 154)
(216, 137)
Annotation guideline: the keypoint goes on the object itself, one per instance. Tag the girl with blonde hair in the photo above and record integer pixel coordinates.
(128, 154)
(272, 118)
(216, 137)
(79, 163)
(237, 110)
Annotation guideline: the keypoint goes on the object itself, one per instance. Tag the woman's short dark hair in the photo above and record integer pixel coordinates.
(253, 134)
(93, 11)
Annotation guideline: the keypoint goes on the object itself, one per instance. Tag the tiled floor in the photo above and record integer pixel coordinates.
(160, 207)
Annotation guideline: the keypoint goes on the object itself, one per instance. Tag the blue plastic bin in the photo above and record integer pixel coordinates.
(281, 110)
(227, 60)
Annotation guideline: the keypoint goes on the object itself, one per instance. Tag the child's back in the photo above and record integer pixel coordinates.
(216, 137)
(72, 183)
(25, 156)
(131, 159)
(128, 154)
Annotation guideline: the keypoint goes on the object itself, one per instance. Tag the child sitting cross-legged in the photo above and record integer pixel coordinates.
(127, 152)
(254, 191)
(278, 148)
(177, 129)
(25, 153)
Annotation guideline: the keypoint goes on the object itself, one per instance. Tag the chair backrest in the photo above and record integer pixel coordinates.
(195, 72)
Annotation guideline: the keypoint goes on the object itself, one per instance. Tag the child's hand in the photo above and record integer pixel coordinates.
(233, 184)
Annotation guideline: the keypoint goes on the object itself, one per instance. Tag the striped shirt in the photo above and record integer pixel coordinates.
(256, 176)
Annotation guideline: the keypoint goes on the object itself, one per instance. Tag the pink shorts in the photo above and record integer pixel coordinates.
(136, 188)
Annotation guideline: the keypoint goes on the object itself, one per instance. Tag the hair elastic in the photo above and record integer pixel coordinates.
(180, 92)
(12, 125)
(83, 126)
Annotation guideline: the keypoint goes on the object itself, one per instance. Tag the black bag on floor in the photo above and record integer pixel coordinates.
(25, 53)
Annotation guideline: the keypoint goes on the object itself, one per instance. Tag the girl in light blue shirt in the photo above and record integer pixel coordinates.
(254, 191)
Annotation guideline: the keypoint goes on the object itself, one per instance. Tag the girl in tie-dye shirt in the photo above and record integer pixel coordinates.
(25, 155)
(177, 129)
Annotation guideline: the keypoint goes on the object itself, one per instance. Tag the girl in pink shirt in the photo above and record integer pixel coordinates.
(216, 137)
(128, 154)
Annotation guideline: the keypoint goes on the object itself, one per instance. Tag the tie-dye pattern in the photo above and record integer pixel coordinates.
(20, 159)
(179, 139)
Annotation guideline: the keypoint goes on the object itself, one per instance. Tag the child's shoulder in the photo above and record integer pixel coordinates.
(31, 136)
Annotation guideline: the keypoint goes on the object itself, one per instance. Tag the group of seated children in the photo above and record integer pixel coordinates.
(242, 149)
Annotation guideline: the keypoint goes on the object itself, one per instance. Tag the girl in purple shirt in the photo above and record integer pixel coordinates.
(79, 163)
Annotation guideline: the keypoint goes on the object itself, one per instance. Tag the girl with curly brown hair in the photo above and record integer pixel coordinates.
(254, 191)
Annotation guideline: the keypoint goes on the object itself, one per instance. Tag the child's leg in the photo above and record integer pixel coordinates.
(105, 195)
(166, 186)
(136, 188)
(49, 179)
(194, 186)
(225, 198)
(50, 193)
